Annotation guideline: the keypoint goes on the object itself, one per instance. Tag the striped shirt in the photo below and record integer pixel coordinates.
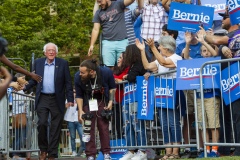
(130, 17)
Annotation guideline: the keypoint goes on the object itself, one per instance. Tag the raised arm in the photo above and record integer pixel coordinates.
(95, 8)
(19, 69)
(166, 4)
(217, 40)
(95, 32)
(166, 62)
(200, 38)
(185, 51)
(128, 2)
(4, 85)
(148, 66)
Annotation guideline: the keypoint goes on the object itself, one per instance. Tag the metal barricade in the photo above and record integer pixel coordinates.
(22, 129)
(3, 127)
(227, 130)
(166, 127)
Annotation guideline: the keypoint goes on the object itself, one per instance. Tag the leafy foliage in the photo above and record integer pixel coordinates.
(29, 24)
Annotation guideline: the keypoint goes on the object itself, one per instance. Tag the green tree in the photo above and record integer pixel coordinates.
(29, 24)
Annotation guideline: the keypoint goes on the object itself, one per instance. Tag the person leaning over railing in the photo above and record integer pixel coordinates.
(120, 70)
(165, 61)
(134, 129)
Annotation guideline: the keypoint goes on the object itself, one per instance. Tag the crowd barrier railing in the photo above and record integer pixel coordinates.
(157, 131)
(22, 124)
(227, 130)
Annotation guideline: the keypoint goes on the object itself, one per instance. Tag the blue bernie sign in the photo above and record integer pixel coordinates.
(188, 17)
(129, 94)
(188, 74)
(145, 99)
(230, 83)
(115, 153)
(234, 11)
(219, 7)
(165, 91)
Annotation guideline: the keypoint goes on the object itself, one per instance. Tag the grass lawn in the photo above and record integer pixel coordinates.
(219, 158)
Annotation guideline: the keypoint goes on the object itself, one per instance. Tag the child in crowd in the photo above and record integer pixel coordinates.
(211, 103)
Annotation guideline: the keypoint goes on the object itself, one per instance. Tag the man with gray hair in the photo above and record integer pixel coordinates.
(50, 98)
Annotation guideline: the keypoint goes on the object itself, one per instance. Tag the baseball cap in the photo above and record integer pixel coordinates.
(224, 15)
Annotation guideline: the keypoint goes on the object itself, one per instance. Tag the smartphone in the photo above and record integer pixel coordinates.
(201, 24)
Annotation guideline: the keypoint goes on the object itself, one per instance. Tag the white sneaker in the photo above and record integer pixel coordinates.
(140, 156)
(91, 158)
(74, 154)
(127, 156)
(83, 155)
(107, 157)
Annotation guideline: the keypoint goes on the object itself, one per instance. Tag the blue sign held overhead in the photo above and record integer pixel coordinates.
(188, 17)
(230, 83)
(219, 7)
(188, 72)
(234, 11)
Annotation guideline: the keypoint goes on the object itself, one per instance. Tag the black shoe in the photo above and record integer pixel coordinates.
(186, 154)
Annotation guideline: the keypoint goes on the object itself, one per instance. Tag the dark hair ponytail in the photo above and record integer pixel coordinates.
(90, 64)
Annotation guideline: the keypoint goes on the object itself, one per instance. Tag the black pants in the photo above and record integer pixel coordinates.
(48, 105)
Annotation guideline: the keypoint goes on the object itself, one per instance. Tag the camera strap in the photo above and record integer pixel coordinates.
(93, 86)
(93, 105)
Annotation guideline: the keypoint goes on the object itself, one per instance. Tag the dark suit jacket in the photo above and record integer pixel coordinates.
(62, 82)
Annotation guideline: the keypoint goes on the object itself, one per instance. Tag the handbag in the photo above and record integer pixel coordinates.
(19, 120)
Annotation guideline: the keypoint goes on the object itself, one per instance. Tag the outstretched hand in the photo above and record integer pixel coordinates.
(36, 77)
(200, 37)
(150, 42)
(141, 46)
(188, 37)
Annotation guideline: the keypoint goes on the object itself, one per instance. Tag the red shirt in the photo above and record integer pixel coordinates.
(119, 90)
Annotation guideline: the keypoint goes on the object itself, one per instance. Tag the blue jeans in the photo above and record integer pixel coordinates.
(73, 126)
(134, 129)
(170, 122)
(20, 139)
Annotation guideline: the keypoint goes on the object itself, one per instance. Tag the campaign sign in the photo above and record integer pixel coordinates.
(188, 72)
(230, 83)
(219, 7)
(145, 98)
(115, 154)
(234, 11)
(129, 94)
(165, 91)
(188, 17)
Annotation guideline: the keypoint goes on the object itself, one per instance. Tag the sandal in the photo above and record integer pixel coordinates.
(174, 156)
(165, 157)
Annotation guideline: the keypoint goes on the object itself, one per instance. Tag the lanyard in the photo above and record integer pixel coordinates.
(93, 86)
